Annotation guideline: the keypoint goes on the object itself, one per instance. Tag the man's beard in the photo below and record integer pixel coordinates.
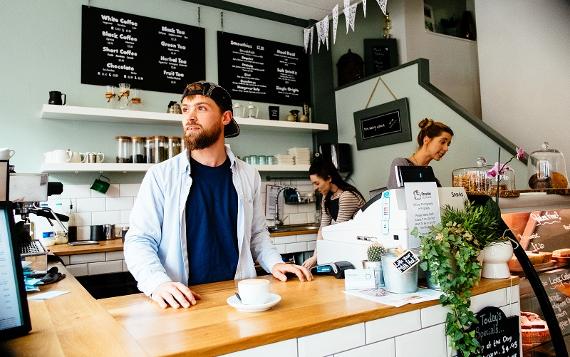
(203, 139)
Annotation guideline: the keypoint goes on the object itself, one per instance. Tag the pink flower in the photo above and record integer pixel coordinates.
(520, 154)
(494, 171)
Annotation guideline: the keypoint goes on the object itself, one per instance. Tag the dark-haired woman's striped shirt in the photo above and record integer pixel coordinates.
(348, 204)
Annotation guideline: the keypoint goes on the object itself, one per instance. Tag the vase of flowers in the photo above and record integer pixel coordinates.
(502, 176)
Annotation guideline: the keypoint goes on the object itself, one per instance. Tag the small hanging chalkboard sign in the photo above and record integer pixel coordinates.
(406, 261)
(497, 333)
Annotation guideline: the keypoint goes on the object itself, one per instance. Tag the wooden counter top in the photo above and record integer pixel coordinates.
(103, 246)
(212, 327)
(73, 324)
(133, 325)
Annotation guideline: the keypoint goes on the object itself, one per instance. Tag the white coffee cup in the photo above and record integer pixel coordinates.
(6, 154)
(58, 156)
(254, 291)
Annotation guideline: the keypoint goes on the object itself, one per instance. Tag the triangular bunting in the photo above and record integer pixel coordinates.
(364, 7)
(383, 4)
(335, 22)
(349, 14)
(323, 32)
(308, 39)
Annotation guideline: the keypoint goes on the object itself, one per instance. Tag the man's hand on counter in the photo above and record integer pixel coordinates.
(175, 295)
(280, 270)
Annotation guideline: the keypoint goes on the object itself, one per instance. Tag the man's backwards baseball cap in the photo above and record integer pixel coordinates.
(218, 95)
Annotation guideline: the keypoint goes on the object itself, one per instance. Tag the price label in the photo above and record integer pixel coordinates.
(406, 261)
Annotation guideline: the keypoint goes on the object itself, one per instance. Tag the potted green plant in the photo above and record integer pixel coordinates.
(448, 253)
(375, 252)
(483, 221)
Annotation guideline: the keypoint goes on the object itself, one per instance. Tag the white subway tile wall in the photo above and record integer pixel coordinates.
(88, 207)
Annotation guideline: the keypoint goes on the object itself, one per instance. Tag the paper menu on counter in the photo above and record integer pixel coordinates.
(383, 296)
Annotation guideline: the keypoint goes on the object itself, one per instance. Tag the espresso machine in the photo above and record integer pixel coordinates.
(26, 191)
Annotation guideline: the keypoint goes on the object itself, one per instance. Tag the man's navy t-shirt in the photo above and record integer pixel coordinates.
(211, 224)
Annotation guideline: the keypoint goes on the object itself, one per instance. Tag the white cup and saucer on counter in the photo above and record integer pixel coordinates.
(254, 296)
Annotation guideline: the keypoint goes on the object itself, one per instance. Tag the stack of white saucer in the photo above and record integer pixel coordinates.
(284, 159)
(302, 155)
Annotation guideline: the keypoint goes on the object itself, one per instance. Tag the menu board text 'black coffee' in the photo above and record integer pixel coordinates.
(262, 71)
(148, 53)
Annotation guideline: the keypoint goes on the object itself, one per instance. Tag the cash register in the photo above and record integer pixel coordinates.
(383, 219)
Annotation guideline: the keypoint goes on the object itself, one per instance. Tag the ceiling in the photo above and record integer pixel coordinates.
(302, 9)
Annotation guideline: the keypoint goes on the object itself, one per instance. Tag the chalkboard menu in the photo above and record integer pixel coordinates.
(148, 53)
(497, 334)
(380, 55)
(557, 285)
(258, 70)
(541, 230)
(384, 124)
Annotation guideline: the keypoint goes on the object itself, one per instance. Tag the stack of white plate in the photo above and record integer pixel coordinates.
(302, 155)
(283, 159)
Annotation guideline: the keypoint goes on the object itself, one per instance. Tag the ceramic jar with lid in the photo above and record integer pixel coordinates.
(547, 168)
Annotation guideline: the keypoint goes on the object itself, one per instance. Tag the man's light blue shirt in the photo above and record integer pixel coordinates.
(155, 246)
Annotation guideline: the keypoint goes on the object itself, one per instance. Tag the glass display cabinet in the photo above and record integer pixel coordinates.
(540, 223)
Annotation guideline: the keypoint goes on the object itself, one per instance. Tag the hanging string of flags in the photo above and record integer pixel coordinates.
(322, 26)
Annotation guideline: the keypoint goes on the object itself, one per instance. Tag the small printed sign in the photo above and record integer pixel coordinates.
(406, 261)
(422, 203)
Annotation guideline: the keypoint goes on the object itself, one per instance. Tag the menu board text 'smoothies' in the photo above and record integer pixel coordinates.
(262, 71)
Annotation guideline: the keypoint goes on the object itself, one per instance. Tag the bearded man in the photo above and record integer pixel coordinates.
(198, 217)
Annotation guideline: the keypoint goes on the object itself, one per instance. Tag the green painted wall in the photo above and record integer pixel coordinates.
(40, 46)
(371, 166)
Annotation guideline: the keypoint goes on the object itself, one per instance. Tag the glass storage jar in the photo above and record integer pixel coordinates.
(138, 149)
(547, 168)
(174, 146)
(156, 149)
(124, 149)
(473, 179)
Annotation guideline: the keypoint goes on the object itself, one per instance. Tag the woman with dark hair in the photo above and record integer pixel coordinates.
(433, 139)
(340, 201)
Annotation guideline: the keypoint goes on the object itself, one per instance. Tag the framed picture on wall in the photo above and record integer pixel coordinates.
(380, 54)
(382, 125)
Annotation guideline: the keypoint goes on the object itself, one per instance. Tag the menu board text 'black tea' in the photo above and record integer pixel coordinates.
(148, 53)
(262, 71)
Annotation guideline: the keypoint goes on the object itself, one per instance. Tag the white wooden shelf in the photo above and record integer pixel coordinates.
(114, 167)
(68, 112)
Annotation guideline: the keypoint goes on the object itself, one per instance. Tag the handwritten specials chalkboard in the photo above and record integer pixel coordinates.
(497, 334)
(148, 53)
(258, 70)
(557, 285)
